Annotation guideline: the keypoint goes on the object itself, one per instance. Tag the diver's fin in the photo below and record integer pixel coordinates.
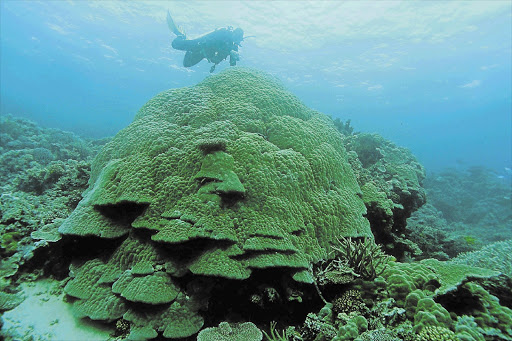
(172, 26)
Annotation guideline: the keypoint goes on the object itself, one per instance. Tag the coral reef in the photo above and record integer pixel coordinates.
(466, 211)
(43, 183)
(390, 178)
(43, 173)
(225, 332)
(344, 128)
(25, 145)
(496, 256)
(365, 258)
(476, 201)
(230, 201)
(427, 300)
(435, 236)
(436, 333)
(226, 180)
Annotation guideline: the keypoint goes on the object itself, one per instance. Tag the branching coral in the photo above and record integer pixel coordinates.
(336, 271)
(363, 256)
(276, 335)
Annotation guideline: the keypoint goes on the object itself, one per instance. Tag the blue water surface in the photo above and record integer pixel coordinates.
(432, 76)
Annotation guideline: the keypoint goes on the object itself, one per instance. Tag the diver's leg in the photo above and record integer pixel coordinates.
(192, 57)
(233, 58)
(180, 43)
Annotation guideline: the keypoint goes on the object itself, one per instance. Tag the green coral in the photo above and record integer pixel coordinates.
(348, 302)
(218, 179)
(276, 335)
(231, 176)
(44, 172)
(9, 242)
(402, 279)
(373, 197)
(352, 329)
(246, 331)
(390, 178)
(494, 320)
(451, 275)
(344, 128)
(419, 301)
(377, 335)
(436, 333)
(467, 329)
(496, 256)
(9, 301)
(363, 256)
(431, 314)
(433, 293)
(155, 288)
(319, 326)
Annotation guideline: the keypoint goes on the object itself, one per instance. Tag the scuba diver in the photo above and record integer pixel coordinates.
(215, 46)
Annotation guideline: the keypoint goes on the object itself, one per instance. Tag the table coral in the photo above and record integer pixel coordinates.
(220, 180)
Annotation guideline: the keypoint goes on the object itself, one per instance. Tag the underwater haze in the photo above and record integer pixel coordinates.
(141, 199)
(432, 76)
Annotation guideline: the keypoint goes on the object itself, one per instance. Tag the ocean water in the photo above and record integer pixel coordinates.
(432, 76)
(87, 254)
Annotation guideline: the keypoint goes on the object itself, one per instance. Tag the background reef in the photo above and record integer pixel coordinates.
(466, 210)
(180, 225)
(44, 172)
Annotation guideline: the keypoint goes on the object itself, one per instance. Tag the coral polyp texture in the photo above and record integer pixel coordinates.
(217, 181)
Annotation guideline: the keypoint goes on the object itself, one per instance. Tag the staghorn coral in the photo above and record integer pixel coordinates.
(343, 127)
(337, 271)
(363, 256)
(210, 183)
(278, 336)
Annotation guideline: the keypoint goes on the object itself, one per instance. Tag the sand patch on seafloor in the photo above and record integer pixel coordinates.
(44, 315)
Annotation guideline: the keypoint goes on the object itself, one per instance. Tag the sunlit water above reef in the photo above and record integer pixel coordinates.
(433, 76)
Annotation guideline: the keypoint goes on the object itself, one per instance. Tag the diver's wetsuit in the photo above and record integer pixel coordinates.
(214, 46)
